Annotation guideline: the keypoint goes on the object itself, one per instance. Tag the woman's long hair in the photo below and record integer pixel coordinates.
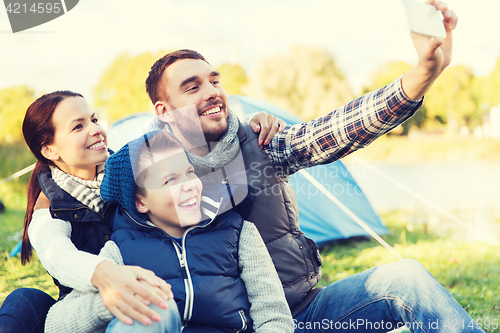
(38, 131)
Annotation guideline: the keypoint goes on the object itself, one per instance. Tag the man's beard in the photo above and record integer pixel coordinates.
(189, 124)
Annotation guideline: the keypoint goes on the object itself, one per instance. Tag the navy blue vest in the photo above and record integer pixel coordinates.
(89, 230)
(207, 263)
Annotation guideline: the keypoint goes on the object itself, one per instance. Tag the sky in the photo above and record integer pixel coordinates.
(73, 51)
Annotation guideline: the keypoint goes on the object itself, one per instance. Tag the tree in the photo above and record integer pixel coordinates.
(451, 99)
(121, 90)
(385, 75)
(306, 81)
(14, 102)
(233, 78)
(488, 88)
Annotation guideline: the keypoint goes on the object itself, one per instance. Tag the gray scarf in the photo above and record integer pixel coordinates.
(86, 191)
(222, 152)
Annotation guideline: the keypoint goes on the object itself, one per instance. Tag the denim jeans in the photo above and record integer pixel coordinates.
(24, 311)
(384, 298)
(170, 322)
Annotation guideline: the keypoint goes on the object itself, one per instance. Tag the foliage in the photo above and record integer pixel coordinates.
(407, 150)
(487, 88)
(451, 100)
(121, 90)
(14, 157)
(387, 74)
(233, 78)
(455, 100)
(13, 104)
(307, 81)
(492, 85)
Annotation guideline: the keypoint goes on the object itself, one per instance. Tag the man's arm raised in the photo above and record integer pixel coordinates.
(434, 55)
(360, 122)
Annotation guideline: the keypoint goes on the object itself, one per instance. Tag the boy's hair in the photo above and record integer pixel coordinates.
(161, 142)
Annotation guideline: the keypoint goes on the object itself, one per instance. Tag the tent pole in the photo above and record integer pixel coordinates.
(17, 174)
(350, 214)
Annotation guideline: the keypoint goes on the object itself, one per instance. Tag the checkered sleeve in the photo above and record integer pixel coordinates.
(341, 132)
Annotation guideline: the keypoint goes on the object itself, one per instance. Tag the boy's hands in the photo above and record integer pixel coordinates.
(268, 125)
(127, 291)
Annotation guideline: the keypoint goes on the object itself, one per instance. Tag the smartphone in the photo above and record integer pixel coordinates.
(424, 19)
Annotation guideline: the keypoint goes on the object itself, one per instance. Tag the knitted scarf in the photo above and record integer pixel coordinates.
(86, 191)
(222, 152)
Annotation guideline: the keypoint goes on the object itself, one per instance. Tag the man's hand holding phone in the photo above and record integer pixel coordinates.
(434, 54)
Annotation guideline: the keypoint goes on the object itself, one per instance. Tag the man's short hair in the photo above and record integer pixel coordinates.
(153, 82)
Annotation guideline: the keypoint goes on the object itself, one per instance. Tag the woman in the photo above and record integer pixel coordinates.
(70, 146)
(64, 135)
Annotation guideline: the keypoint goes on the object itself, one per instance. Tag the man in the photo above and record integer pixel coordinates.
(399, 293)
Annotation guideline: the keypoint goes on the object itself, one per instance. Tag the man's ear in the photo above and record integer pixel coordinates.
(140, 205)
(49, 153)
(162, 110)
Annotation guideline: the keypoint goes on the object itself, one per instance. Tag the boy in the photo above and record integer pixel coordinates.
(221, 275)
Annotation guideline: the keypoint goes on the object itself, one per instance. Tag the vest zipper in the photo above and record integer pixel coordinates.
(188, 282)
(181, 255)
(243, 321)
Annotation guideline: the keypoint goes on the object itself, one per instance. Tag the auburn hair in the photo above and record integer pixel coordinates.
(38, 131)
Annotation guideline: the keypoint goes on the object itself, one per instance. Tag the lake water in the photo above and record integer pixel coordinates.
(458, 198)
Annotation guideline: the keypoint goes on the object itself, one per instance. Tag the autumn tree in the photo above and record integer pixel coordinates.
(14, 102)
(121, 90)
(451, 99)
(385, 75)
(488, 88)
(307, 81)
(233, 78)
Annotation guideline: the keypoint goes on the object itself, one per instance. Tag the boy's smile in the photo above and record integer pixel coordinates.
(173, 193)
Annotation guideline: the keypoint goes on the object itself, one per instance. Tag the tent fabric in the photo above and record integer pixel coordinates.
(320, 219)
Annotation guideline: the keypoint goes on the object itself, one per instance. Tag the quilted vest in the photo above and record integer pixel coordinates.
(89, 230)
(202, 268)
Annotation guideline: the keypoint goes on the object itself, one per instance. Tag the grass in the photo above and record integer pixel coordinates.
(12, 274)
(469, 271)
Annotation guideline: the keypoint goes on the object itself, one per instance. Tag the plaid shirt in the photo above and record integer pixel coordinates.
(343, 131)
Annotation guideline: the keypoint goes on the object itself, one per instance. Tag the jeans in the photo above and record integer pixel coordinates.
(24, 311)
(384, 298)
(170, 322)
